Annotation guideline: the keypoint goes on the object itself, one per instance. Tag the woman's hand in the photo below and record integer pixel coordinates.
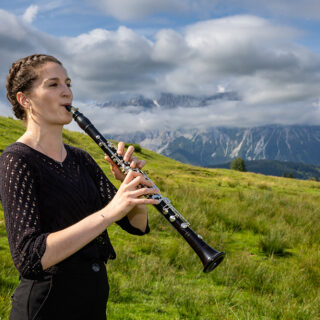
(130, 194)
(129, 198)
(127, 157)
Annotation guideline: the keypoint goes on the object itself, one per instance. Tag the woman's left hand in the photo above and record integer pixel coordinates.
(127, 157)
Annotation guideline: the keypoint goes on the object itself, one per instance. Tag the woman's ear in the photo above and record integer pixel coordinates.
(23, 100)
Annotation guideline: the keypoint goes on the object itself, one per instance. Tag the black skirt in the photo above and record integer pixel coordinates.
(76, 292)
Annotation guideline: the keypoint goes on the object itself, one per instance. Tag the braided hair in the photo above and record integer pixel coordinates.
(21, 77)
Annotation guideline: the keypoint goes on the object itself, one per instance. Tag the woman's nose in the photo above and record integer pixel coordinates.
(66, 91)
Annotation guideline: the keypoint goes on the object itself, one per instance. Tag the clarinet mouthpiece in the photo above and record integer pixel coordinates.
(71, 108)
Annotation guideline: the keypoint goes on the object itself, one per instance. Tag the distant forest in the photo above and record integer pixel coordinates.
(279, 169)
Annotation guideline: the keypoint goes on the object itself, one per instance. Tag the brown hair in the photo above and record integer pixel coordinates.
(22, 76)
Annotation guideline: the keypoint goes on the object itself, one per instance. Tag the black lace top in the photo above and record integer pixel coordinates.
(40, 196)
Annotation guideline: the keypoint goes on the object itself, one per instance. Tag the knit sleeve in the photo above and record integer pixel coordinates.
(19, 196)
(107, 191)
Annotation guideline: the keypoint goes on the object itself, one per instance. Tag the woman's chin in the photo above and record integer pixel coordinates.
(67, 118)
(68, 121)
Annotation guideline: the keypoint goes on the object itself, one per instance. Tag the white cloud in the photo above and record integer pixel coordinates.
(170, 47)
(276, 79)
(130, 9)
(30, 14)
(253, 56)
(306, 9)
(105, 62)
(220, 114)
(51, 5)
(5, 110)
(139, 9)
(221, 89)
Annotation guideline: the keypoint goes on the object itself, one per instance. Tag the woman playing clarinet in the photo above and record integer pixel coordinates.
(58, 204)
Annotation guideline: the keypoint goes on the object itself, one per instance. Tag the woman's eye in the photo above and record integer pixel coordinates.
(69, 85)
(53, 85)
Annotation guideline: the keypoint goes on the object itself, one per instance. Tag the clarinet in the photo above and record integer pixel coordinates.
(209, 257)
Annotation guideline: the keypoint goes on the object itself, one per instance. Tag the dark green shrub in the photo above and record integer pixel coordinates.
(238, 164)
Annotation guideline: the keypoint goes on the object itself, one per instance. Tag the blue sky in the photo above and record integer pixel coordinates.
(267, 52)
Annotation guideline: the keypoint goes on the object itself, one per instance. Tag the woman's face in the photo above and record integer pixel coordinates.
(50, 94)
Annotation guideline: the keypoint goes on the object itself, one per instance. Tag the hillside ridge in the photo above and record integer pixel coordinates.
(268, 226)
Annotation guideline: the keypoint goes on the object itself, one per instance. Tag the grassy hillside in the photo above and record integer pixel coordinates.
(268, 226)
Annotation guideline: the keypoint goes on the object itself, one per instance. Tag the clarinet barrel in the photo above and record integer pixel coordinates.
(209, 257)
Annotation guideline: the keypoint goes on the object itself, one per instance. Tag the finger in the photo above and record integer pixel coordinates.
(128, 155)
(130, 176)
(134, 162)
(120, 150)
(106, 157)
(136, 182)
(144, 191)
(137, 179)
(145, 201)
(112, 164)
(141, 164)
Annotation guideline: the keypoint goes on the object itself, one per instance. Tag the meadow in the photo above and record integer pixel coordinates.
(269, 228)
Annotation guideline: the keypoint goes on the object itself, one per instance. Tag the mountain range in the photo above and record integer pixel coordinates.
(217, 145)
(220, 145)
(169, 100)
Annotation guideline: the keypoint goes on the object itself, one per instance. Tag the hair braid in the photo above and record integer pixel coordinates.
(21, 77)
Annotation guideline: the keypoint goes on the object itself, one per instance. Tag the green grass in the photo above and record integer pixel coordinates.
(268, 226)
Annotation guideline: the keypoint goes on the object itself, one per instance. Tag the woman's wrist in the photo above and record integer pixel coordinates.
(107, 219)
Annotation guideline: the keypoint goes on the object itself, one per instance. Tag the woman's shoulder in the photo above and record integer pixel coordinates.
(18, 155)
(18, 149)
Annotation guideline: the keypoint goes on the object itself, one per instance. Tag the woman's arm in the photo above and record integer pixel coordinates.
(33, 250)
(138, 217)
(62, 244)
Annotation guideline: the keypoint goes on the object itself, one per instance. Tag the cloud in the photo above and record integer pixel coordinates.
(5, 110)
(307, 9)
(276, 79)
(138, 9)
(251, 55)
(19, 39)
(111, 121)
(30, 13)
(106, 62)
(126, 10)
(54, 4)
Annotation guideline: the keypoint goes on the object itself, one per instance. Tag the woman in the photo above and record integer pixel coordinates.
(58, 203)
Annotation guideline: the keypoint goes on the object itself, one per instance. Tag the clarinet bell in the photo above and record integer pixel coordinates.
(211, 259)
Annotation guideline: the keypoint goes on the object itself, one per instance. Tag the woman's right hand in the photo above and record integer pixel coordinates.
(131, 193)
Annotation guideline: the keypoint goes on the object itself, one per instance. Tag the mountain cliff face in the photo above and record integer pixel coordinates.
(206, 147)
(220, 145)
